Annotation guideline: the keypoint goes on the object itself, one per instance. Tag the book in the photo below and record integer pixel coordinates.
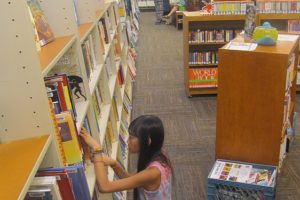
(44, 31)
(47, 182)
(203, 77)
(57, 135)
(39, 194)
(250, 21)
(69, 136)
(242, 173)
(63, 181)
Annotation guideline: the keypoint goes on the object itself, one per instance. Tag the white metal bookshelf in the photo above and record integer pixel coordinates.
(25, 114)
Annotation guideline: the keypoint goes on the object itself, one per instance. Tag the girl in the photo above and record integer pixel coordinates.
(154, 171)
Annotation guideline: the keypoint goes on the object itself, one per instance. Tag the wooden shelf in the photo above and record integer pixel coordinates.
(94, 78)
(52, 52)
(207, 43)
(198, 16)
(201, 91)
(266, 16)
(19, 161)
(202, 65)
(84, 30)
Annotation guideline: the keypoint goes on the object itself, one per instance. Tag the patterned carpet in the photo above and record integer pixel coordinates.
(189, 122)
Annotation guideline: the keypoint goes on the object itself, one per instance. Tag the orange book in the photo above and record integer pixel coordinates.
(203, 77)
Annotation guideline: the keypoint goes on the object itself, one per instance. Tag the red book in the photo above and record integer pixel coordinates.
(64, 183)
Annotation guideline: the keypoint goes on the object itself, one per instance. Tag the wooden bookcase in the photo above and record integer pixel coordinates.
(280, 21)
(251, 102)
(193, 21)
(26, 121)
(196, 20)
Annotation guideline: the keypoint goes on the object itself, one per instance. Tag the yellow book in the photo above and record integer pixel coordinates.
(69, 137)
(110, 131)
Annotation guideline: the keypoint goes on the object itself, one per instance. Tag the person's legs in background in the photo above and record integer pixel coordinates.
(159, 10)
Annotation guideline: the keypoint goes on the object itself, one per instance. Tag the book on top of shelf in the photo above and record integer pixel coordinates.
(36, 37)
(44, 31)
(287, 6)
(250, 21)
(230, 7)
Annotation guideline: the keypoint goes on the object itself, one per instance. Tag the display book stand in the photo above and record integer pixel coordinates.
(256, 102)
(26, 131)
(193, 21)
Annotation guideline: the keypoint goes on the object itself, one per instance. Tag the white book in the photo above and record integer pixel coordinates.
(46, 182)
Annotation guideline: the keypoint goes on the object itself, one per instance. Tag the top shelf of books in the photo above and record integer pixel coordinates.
(19, 166)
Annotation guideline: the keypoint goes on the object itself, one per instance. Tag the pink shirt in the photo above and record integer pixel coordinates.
(164, 190)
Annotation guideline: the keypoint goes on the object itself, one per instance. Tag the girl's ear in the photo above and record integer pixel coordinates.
(149, 141)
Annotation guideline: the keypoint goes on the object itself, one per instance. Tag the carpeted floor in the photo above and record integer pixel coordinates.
(189, 122)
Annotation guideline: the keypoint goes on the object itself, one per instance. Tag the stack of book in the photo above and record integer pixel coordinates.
(283, 6)
(60, 183)
(230, 7)
(200, 58)
(294, 26)
(200, 36)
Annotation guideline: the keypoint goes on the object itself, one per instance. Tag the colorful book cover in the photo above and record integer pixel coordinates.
(203, 77)
(44, 31)
(68, 133)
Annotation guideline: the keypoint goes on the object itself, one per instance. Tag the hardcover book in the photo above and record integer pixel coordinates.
(44, 31)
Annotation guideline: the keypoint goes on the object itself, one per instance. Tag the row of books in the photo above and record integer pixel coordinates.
(109, 138)
(212, 36)
(230, 7)
(294, 26)
(89, 56)
(283, 6)
(243, 173)
(97, 101)
(210, 57)
(62, 183)
(203, 77)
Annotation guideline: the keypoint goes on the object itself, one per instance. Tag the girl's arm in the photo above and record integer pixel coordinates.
(118, 169)
(146, 177)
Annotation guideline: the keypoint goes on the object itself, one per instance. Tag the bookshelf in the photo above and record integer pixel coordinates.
(255, 107)
(281, 22)
(18, 175)
(200, 49)
(76, 31)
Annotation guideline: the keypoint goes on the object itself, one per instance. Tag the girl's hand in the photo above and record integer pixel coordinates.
(108, 161)
(89, 140)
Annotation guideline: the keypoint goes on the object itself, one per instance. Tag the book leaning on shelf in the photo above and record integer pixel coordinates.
(42, 27)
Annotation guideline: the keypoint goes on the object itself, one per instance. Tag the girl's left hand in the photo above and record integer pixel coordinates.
(89, 139)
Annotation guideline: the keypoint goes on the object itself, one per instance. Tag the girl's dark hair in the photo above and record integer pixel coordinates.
(150, 132)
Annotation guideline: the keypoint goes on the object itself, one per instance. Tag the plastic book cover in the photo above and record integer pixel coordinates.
(46, 182)
(39, 194)
(43, 29)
